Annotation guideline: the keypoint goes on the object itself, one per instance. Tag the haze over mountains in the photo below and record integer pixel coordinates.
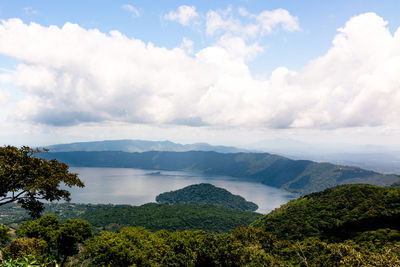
(140, 146)
(384, 159)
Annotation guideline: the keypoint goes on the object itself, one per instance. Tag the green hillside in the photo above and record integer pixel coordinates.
(335, 213)
(298, 176)
(210, 218)
(206, 194)
(180, 217)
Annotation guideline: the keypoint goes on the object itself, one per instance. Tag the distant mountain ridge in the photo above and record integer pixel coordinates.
(297, 176)
(129, 145)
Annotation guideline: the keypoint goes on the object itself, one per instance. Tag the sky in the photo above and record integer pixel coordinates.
(222, 72)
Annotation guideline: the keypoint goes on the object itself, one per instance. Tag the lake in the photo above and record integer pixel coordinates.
(137, 187)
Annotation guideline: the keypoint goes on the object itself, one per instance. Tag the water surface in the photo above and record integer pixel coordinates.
(137, 187)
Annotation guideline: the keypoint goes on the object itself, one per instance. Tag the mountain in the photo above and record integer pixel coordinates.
(378, 158)
(335, 213)
(297, 176)
(139, 146)
(206, 194)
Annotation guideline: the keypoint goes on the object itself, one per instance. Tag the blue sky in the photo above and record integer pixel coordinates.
(248, 70)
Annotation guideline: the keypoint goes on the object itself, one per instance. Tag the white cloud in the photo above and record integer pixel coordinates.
(4, 98)
(184, 15)
(270, 19)
(76, 75)
(30, 11)
(187, 45)
(5, 77)
(238, 48)
(223, 21)
(133, 10)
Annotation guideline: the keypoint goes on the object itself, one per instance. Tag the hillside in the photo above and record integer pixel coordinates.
(139, 146)
(209, 218)
(206, 194)
(335, 213)
(181, 217)
(297, 176)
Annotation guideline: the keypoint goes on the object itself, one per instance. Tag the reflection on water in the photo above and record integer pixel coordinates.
(137, 187)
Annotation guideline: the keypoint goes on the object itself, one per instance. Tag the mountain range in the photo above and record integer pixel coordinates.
(297, 176)
(382, 159)
(128, 145)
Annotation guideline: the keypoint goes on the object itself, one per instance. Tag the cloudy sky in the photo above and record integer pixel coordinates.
(223, 72)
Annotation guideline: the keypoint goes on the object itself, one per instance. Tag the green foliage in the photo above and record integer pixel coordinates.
(206, 194)
(22, 247)
(27, 179)
(152, 216)
(181, 217)
(46, 228)
(4, 235)
(244, 247)
(71, 233)
(138, 246)
(62, 238)
(29, 261)
(336, 213)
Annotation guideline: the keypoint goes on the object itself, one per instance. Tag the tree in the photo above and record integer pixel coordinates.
(25, 246)
(27, 179)
(4, 235)
(62, 239)
(72, 233)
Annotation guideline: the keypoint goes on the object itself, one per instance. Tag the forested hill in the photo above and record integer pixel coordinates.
(336, 213)
(206, 194)
(298, 176)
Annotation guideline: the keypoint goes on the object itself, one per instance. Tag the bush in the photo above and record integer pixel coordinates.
(4, 235)
(25, 246)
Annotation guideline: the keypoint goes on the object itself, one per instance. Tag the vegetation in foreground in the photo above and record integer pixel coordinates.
(206, 194)
(277, 239)
(28, 180)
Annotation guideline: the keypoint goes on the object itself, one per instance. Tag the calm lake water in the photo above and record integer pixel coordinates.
(137, 187)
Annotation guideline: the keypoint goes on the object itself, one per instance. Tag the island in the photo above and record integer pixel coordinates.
(206, 194)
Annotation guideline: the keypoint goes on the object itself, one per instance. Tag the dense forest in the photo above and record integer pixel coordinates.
(210, 218)
(298, 176)
(206, 194)
(336, 213)
(348, 225)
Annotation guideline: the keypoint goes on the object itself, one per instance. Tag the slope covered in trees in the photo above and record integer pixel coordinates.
(335, 213)
(209, 218)
(298, 176)
(206, 194)
(180, 217)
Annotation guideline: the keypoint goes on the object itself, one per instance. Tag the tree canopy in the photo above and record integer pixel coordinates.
(335, 213)
(206, 194)
(27, 179)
